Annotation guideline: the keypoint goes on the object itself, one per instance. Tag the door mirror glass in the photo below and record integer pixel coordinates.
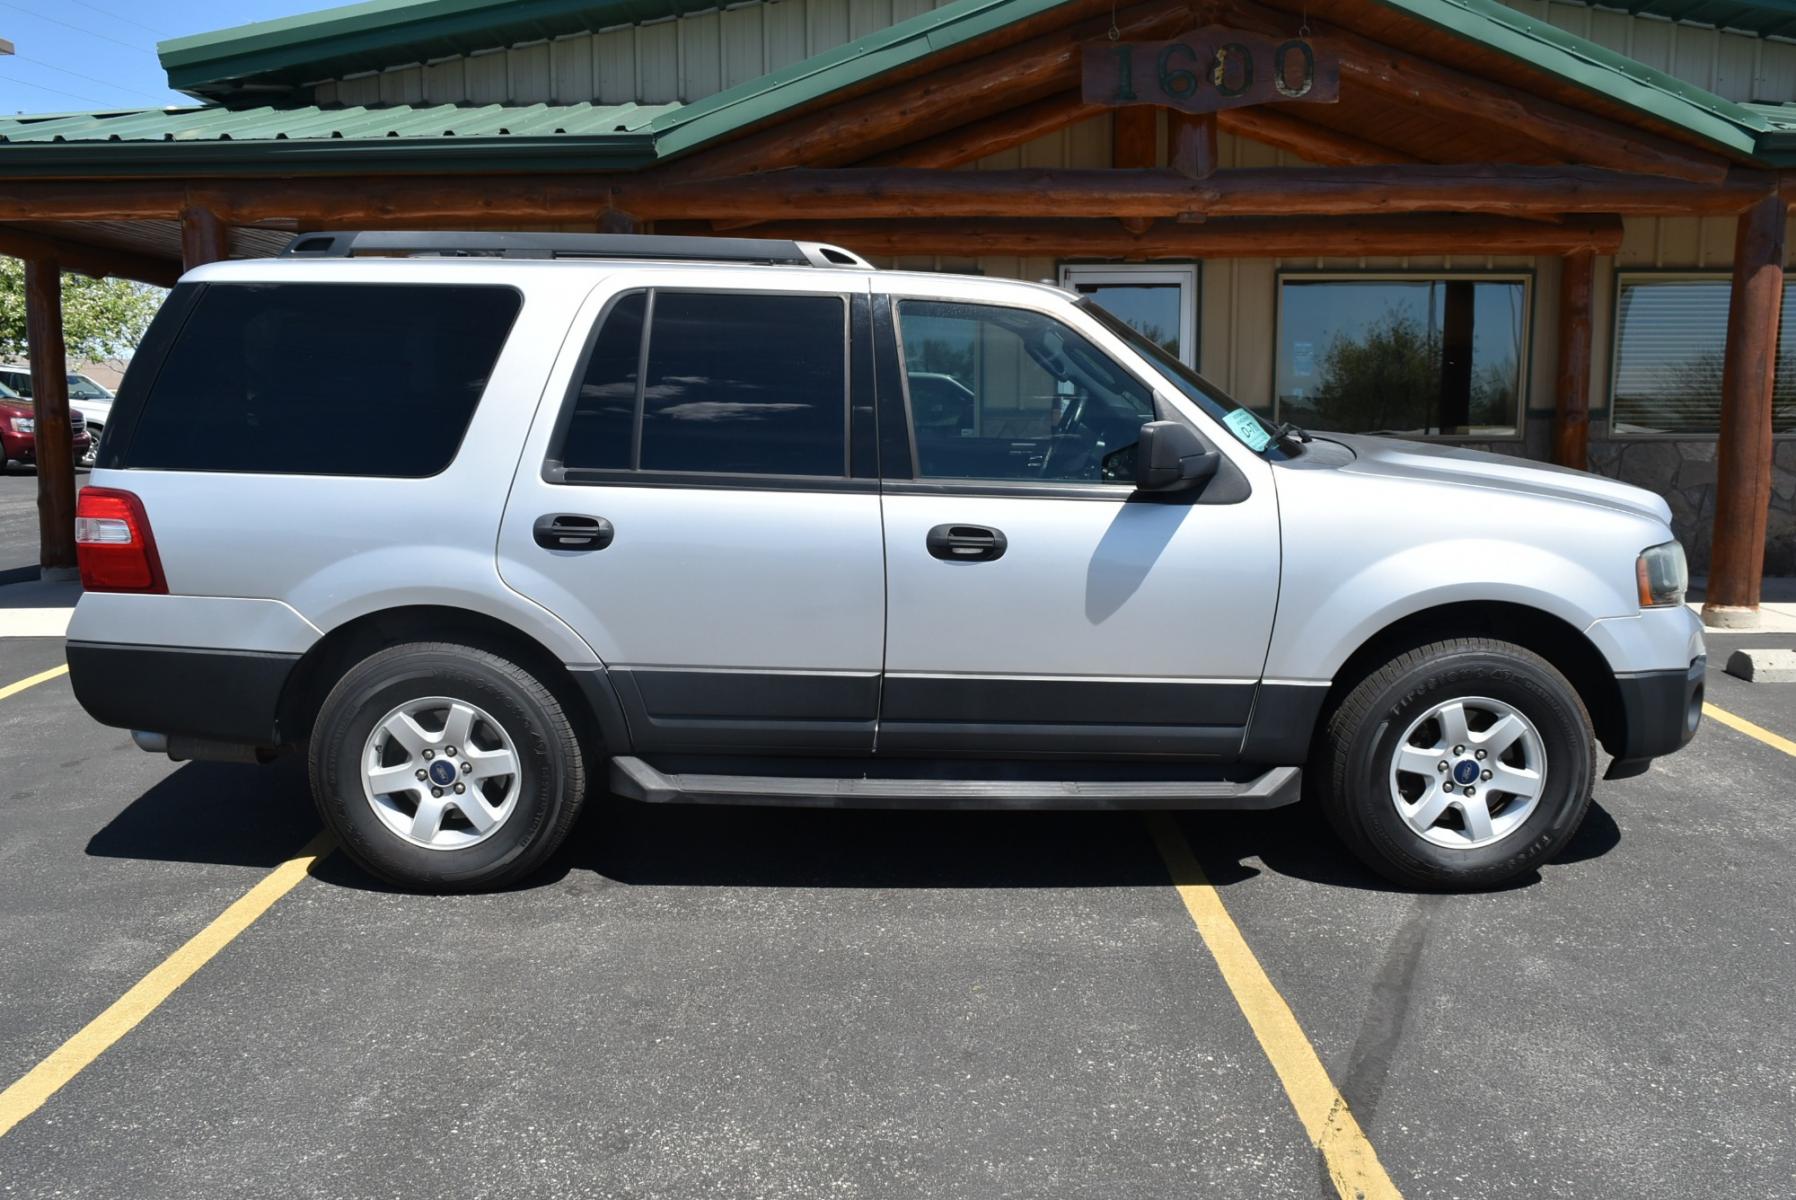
(1170, 457)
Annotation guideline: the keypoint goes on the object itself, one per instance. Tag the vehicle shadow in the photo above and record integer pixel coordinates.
(225, 813)
(258, 815)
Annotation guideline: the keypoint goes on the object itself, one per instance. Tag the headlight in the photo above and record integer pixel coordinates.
(24, 425)
(1662, 574)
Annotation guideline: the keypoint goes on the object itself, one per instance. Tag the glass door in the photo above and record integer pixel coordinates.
(1158, 301)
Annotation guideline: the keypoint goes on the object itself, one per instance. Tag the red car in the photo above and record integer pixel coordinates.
(18, 431)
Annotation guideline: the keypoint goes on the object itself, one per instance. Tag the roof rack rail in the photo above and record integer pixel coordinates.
(394, 244)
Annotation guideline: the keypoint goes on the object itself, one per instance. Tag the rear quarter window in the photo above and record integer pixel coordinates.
(323, 378)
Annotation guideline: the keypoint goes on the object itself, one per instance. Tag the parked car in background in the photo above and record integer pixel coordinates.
(86, 397)
(18, 432)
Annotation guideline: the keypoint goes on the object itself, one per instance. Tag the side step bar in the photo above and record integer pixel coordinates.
(635, 779)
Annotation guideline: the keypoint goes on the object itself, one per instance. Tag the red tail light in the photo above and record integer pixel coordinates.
(114, 545)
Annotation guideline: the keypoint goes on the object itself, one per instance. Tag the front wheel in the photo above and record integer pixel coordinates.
(446, 768)
(1458, 765)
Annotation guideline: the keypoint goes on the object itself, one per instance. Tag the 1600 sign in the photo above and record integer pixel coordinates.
(1210, 69)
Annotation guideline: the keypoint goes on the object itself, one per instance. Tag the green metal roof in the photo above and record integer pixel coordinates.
(385, 33)
(556, 136)
(596, 137)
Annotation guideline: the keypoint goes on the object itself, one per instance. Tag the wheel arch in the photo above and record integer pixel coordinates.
(1552, 637)
(586, 694)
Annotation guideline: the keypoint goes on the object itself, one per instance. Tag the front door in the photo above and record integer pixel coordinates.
(1035, 602)
(700, 513)
(1158, 300)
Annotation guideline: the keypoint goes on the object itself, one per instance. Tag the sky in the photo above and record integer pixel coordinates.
(81, 55)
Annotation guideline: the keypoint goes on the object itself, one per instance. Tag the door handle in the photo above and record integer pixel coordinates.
(567, 531)
(966, 543)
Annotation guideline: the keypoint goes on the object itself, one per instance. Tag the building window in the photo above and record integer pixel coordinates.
(1670, 343)
(1415, 355)
(1158, 302)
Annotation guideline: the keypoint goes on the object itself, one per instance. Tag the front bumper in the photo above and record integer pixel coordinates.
(22, 447)
(1660, 711)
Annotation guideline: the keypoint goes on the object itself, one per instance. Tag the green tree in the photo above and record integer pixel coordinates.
(1387, 379)
(101, 318)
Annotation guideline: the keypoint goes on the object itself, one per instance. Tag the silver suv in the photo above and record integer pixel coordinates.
(488, 522)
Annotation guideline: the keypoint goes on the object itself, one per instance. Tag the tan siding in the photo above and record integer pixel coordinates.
(571, 68)
(528, 73)
(696, 55)
(614, 65)
(701, 54)
(488, 78)
(1737, 66)
(744, 44)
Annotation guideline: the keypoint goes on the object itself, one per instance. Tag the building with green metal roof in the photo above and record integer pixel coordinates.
(1547, 191)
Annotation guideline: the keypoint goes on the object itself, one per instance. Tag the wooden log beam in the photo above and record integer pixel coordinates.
(1191, 143)
(855, 193)
(934, 103)
(991, 135)
(1580, 136)
(1348, 237)
(204, 238)
(1317, 143)
(83, 259)
(1743, 452)
(50, 397)
(863, 194)
(1571, 402)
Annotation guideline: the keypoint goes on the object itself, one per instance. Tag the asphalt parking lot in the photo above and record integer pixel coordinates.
(718, 1002)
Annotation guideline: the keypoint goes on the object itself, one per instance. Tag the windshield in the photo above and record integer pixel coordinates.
(83, 388)
(7, 393)
(1249, 428)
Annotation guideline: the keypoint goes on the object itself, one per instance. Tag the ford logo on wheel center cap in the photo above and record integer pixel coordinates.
(442, 772)
(1465, 771)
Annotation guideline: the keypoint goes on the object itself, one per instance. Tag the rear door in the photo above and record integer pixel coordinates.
(699, 501)
(1037, 604)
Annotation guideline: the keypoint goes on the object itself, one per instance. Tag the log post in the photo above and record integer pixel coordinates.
(1132, 149)
(50, 399)
(1191, 143)
(1571, 403)
(1743, 452)
(203, 238)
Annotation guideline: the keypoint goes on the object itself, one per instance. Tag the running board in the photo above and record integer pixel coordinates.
(635, 779)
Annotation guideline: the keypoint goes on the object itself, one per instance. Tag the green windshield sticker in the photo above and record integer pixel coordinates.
(1247, 427)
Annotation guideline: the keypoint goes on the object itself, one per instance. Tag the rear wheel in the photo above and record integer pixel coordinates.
(1460, 764)
(446, 768)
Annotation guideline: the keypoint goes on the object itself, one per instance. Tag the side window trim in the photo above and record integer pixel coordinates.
(971, 486)
(897, 456)
(554, 469)
(554, 465)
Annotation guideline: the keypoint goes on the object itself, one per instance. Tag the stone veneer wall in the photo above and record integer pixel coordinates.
(1682, 471)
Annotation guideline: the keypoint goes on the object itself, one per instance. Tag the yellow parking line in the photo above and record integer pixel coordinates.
(1352, 1163)
(13, 689)
(1749, 729)
(68, 1060)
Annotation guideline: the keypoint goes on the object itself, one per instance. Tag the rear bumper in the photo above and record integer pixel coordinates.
(217, 695)
(1660, 711)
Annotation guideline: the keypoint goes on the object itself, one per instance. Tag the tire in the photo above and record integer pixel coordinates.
(429, 838)
(1382, 806)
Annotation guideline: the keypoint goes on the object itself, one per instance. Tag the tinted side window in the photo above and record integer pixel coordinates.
(323, 378)
(603, 418)
(746, 384)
